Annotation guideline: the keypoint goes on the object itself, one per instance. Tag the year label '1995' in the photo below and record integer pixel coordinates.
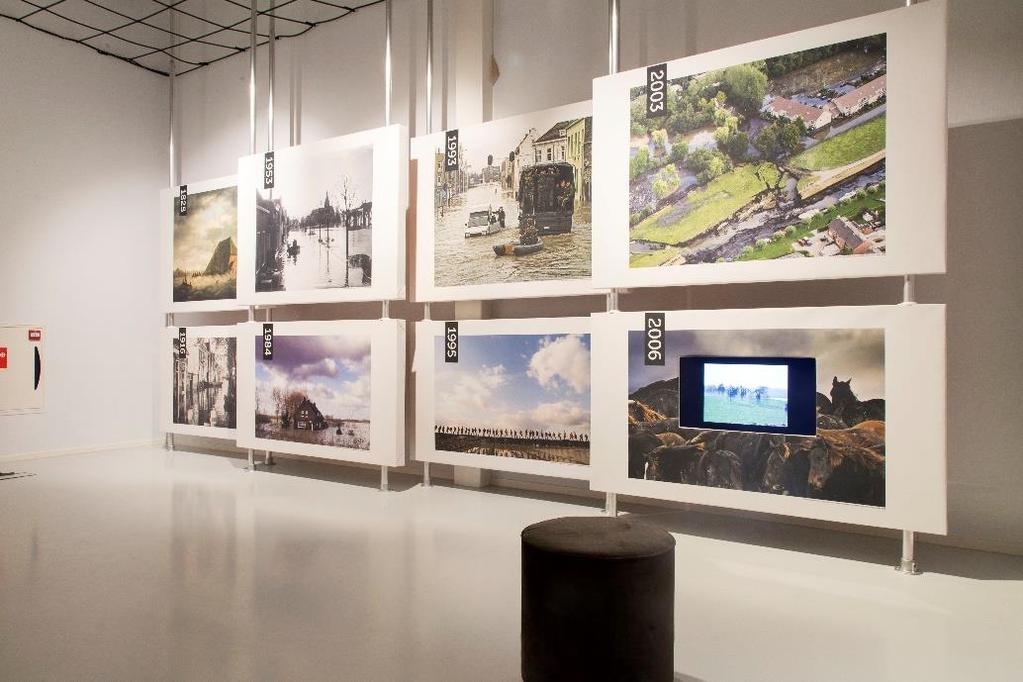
(450, 342)
(654, 327)
(657, 90)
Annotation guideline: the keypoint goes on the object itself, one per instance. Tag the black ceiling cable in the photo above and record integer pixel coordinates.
(176, 40)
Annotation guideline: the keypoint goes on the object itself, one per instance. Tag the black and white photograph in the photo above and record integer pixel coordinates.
(205, 388)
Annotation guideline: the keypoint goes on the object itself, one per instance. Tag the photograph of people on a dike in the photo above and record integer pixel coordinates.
(205, 382)
(517, 209)
(205, 250)
(779, 158)
(749, 394)
(515, 395)
(314, 229)
(843, 462)
(315, 389)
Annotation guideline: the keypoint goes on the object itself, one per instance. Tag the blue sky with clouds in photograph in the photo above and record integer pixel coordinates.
(332, 371)
(532, 381)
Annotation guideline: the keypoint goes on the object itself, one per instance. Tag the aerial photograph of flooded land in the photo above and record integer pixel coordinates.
(205, 382)
(315, 390)
(779, 158)
(517, 209)
(314, 228)
(205, 253)
(515, 395)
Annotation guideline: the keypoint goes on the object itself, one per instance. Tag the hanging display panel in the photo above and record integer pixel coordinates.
(333, 390)
(199, 246)
(325, 221)
(504, 208)
(508, 395)
(818, 154)
(22, 386)
(199, 381)
(791, 411)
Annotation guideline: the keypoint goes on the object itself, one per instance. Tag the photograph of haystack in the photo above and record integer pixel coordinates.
(205, 388)
(205, 253)
(844, 462)
(517, 208)
(778, 158)
(314, 228)
(315, 389)
(524, 396)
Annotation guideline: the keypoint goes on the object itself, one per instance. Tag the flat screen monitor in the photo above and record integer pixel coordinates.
(753, 394)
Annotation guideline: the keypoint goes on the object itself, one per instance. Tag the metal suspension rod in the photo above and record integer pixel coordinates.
(387, 62)
(252, 78)
(613, 36)
(429, 67)
(270, 80)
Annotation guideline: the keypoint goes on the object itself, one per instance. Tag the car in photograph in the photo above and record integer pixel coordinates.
(483, 220)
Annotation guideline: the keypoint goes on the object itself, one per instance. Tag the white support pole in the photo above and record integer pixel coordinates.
(384, 486)
(909, 289)
(174, 179)
(907, 565)
(270, 81)
(611, 504)
(268, 457)
(385, 306)
(252, 78)
(429, 69)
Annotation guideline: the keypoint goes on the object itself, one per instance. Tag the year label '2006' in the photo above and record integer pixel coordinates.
(657, 90)
(654, 328)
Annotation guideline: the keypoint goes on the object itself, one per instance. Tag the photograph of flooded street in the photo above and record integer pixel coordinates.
(205, 382)
(315, 390)
(778, 158)
(314, 228)
(517, 208)
(525, 396)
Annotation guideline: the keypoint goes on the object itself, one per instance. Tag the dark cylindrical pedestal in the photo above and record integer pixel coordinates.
(598, 600)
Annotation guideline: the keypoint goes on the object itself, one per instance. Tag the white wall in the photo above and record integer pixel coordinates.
(83, 152)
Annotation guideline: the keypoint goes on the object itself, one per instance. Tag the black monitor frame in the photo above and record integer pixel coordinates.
(802, 394)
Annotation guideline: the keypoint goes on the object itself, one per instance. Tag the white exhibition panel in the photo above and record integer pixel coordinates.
(423, 150)
(914, 380)
(166, 359)
(22, 391)
(424, 366)
(916, 157)
(167, 197)
(387, 389)
(390, 202)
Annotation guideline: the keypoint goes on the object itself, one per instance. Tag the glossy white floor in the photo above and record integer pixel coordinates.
(145, 564)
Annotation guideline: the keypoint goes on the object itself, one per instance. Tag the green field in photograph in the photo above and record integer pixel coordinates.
(852, 145)
(718, 409)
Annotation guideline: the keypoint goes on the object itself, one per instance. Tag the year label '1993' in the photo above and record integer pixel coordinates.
(654, 327)
(451, 150)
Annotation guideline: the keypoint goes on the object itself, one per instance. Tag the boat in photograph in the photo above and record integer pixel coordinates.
(517, 248)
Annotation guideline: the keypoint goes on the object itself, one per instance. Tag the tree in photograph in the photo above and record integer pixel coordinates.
(346, 200)
(640, 163)
(666, 182)
(731, 140)
(780, 138)
(707, 164)
(659, 139)
(679, 150)
(745, 86)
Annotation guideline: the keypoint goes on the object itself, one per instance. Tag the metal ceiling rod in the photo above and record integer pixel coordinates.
(429, 129)
(613, 47)
(387, 62)
(271, 70)
(252, 79)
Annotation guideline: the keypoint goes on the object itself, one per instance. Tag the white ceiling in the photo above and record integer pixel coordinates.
(154, 34)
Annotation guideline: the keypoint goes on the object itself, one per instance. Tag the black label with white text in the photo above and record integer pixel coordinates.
(450, 342)
(451, 150)
(183, 200)
(268, 170)
(656, 90)
(654, 327)
(268, 341)
(182, 346)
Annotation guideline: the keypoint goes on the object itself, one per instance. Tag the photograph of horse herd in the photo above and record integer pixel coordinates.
(843, 462)
(778, 158)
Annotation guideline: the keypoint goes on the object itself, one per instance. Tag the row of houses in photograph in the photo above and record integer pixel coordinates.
(815, 118)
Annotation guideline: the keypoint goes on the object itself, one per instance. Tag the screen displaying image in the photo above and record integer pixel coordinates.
(751, 394)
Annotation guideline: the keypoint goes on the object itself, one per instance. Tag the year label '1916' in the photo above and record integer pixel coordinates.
(268, 341)
(657, 90)
(451, 150)
(182, 345)
(450, 342)
(654, 327)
